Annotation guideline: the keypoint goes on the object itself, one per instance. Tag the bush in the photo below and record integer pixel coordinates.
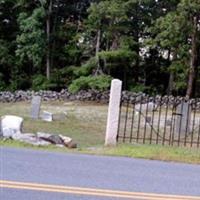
(21, 82)
(100, 83)
(151, 90)
(2, 83)
(118, 56)
(86, 68)
(40, 82)
(70, 73)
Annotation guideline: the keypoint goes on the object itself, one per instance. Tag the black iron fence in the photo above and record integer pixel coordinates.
(160, 120)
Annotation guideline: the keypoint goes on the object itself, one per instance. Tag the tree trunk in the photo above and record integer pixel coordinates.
(170, 84)
(48, 32)
(98, 70)
(98, 42)
(193, 60)
(171, 76)
(115, 42)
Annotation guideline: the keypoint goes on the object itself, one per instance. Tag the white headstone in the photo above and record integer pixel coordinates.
(47, 116)
(113, 112)
(35, 107)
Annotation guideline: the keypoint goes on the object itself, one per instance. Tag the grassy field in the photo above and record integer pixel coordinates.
(86, 124)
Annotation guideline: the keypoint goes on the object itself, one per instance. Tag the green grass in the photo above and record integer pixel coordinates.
(86, 124)
(154, 152)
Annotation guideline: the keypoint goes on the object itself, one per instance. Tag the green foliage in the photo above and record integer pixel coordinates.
(86, 69)
(117, 56)
(2, 83)
(151, 90)
(20, 81)
(180, 71)
(100, 83)
(105, 11)
(31, 41)
(40, 82)
(68, 74)
(142, 42)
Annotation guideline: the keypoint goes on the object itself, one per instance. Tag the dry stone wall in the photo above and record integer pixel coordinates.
(91, 95)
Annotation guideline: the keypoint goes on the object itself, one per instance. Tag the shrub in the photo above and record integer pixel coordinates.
(100, 83)
(2, 83)
(20, 81)
(86, 68)
(116, 56)
(40, 82)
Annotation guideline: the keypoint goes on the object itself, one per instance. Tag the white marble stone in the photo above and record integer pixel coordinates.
(145, 107)
(113, 113)
(47, 116)
(10, 125)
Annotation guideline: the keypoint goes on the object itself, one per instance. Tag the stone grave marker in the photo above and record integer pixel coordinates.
(35, 107)
(47, 116)
(183, 119)
(59, 117)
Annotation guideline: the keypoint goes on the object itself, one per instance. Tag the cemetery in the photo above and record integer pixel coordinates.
(11, 128)
(143, 119)
(57, 60)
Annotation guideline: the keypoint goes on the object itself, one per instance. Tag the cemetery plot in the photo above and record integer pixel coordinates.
(160, 123)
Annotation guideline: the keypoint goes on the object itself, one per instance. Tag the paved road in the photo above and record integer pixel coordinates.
(85, 171)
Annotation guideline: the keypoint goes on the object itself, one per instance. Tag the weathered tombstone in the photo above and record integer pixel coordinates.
(148, 119)
(35, 107)
(59, 117)
(183, 118)
(168, 122)
(47, 116)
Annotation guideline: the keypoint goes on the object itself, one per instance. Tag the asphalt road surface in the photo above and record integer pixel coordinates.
(40, 175)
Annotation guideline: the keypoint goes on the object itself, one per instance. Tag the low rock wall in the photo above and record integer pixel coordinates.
(90, 95)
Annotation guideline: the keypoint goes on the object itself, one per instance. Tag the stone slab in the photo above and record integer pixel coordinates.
(183, 119)
(35, 107)
(47, 116)
(11, 125)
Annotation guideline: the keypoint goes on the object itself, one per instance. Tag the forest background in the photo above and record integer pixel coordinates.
(153, 46)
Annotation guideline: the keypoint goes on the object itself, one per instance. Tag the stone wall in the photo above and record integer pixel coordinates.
(90, 95)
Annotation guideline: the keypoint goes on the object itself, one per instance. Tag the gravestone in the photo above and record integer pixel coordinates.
(168, 122)
(59, 117)
(35, 107)
(183, 119)
(47, 116)
(148, 119)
